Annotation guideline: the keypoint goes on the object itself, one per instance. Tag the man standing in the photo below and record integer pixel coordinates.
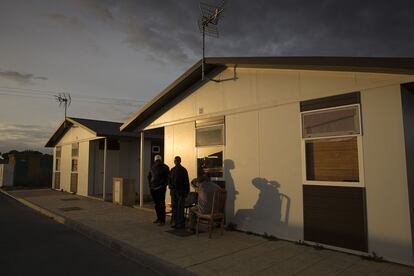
(205, 189)
(158, 180)
(180, 187)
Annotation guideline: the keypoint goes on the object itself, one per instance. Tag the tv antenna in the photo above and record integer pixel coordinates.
(207, 23)
(64, 99)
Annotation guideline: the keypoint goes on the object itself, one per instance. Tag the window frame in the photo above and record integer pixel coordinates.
(57, 162)
(58, 149)
(361, 182)
(77, 165)
(209, 123)
(58, 158)
(213, 178)
(74, 157)
(223, 135)
(358, 109)
(73, 148)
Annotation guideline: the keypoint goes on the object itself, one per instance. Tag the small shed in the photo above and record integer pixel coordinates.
(88, 154)
(30, 169)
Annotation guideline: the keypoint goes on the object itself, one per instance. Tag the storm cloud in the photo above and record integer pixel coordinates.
(168, 29)
(20, 78)
(23, 137)
(68, 21)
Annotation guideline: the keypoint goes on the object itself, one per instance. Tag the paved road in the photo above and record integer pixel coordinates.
(32, 244)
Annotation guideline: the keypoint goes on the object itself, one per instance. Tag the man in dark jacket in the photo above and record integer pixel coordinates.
(158, 180)
(179, 186)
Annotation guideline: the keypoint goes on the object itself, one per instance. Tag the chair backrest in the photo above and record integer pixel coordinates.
(219, 201)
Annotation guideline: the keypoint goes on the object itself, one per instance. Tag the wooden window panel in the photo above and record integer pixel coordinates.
(57, 180)
(335, 216)
(58, 151)
(74, 182)
(75, 149)
(74, 165)
(57, 168)
(332, 160)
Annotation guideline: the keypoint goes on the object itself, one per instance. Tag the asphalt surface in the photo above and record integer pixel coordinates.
(33, 244)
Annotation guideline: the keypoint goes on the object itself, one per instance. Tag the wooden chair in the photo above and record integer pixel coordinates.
(217, 212)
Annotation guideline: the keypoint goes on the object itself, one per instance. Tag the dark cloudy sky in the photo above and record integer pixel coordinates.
(114, 56)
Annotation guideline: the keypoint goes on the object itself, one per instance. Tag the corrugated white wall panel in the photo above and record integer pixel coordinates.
(65, 167)
(242, 167)
(388, 215)
(83, 168)
(280, 165)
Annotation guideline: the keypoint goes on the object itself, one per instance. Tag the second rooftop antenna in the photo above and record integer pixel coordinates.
(65, 100)
(207, 23)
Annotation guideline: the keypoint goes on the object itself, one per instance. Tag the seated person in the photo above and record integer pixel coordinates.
(205, 189)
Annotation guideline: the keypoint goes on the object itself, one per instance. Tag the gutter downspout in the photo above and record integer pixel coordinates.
(141, 171)
(104, 171)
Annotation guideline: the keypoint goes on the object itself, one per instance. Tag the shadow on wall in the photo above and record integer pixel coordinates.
(230, 188)
(269, 214)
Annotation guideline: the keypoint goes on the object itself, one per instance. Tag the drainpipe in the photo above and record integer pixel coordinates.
(141, 172)
(104, 171)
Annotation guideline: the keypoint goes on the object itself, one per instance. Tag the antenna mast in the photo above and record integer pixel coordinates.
(207, 23)
(64, 99)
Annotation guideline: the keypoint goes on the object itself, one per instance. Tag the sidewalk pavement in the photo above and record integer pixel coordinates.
(130, 231)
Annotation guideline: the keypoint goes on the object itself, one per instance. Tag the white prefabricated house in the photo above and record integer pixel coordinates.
(88, 154)
(314, 149)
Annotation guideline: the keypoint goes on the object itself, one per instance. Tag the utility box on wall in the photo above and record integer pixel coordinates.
(123, 191)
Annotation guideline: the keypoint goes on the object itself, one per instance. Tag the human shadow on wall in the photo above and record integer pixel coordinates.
(271, 211)
(230, 188)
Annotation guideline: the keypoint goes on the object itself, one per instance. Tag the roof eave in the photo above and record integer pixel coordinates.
(322, 63)
(194, 72)
(53, 140)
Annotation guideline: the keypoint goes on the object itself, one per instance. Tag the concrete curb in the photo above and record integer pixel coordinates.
(144, 259)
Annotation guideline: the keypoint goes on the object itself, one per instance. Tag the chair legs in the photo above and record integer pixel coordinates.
(210, 226)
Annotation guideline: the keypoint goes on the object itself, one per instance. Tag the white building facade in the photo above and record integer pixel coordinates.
(308, 150)
(88, 154)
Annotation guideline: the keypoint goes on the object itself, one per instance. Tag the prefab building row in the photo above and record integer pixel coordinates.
(88, 154)
(311, 149)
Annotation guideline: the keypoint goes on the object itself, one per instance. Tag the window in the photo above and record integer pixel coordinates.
(331, 145)
(210, 147)
(58, 152)
(75, 149)
(74, 165)
(57, 165)
(333, 159)
(210, 136)
(210, 161)
(338, 121)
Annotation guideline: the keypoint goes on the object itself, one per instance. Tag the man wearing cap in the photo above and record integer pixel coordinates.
(158, 180)
(179, 187)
